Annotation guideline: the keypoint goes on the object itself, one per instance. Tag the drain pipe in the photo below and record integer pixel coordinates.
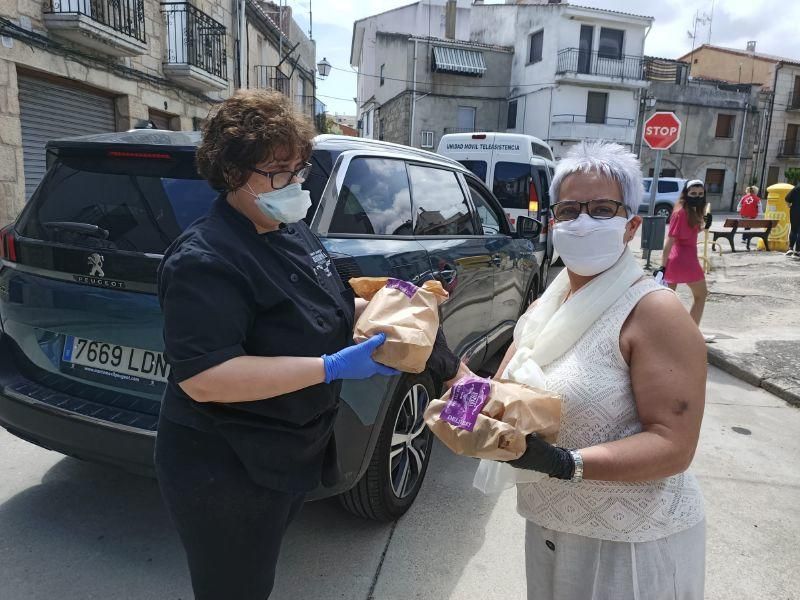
(241, 34)
(413, 99)
(769, 125)
(739, 158)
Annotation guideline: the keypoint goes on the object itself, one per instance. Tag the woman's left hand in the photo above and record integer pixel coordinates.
(545, 458)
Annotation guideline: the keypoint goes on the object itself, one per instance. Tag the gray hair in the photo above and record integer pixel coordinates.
(612, 161)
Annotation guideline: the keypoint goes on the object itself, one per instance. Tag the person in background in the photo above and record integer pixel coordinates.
(793, 200)
(679, 258)
(750, 204)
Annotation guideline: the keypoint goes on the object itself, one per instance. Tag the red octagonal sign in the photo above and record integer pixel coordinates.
(662, 130)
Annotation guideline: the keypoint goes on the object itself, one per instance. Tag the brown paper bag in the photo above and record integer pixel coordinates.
(490, 419)
(407, 314)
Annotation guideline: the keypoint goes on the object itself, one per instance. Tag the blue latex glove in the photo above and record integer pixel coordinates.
(355, 362)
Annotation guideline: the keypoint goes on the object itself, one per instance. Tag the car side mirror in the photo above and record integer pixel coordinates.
(528, 228)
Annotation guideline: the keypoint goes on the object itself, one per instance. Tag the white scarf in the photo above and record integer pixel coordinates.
(545, 333)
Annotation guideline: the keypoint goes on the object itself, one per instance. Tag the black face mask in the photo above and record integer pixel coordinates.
(696, 200)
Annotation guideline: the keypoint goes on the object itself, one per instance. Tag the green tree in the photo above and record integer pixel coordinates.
(793, 175)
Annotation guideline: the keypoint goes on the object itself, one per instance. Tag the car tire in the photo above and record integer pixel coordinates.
(663, 210)
(400, 459)
(532, 293)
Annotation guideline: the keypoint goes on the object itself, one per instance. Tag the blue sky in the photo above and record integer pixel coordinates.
(773, 23)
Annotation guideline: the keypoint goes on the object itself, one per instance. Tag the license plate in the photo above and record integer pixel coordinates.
(120, 362)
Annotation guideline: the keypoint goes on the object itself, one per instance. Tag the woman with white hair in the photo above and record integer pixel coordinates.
(618, 517)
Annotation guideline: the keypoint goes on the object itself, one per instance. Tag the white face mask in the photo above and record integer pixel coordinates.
(286, 205)
(590, 246)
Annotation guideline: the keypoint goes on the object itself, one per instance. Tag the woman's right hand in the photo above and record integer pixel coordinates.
(355, 362)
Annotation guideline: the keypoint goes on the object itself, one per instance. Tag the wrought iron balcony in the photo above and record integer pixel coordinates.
(576, 62)
(196, 47)
(789, 147)
(272, 78)
(115, 27)
(306, 103)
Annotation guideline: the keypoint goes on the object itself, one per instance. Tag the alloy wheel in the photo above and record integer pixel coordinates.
(410, 441)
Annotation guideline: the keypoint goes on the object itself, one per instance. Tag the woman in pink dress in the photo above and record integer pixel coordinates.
(680, 251)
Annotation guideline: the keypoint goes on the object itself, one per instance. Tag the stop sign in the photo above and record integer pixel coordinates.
(662, 130)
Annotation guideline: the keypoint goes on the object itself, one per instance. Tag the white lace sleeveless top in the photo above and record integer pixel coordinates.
(598, 406)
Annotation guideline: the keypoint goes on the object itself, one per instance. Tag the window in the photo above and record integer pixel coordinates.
(611, 42)
(535, 43)
(596, 105)
(667, 187)
(479, 167)
(544, 189)
(715, 180)
(490, 221)
(664, 172)
(439, 204)
(466, 118)
(725, 126)
(511, 121)
(512, 184)
(541, 150)
(140, 212)
(427, 139)
(374, 199)
(382, 69)
(772, 175)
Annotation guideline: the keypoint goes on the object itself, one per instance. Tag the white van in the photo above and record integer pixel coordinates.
(517, 168)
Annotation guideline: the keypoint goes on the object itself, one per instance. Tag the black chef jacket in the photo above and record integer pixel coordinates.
(227, 291)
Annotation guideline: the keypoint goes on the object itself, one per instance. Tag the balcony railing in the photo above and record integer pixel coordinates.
(581, 62)
(195, 39)
(610, 121)
(306, 103)
(789, 147)
(794, 102)
(123, 16)
(459, 130)
(272, 78)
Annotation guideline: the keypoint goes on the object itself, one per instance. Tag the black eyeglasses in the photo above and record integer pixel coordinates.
(569, 210)
(280, 179)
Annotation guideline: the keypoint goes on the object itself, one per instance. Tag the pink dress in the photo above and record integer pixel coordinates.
(683, 265)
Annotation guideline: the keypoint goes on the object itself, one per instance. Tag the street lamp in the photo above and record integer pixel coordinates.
(323, 68)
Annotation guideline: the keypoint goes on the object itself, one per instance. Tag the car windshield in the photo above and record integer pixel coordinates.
(114, 211)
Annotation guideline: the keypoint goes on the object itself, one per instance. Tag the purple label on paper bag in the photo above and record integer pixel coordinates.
(466, 401)
(409, 289)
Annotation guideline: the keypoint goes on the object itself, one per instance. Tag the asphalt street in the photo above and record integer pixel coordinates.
(76, 531)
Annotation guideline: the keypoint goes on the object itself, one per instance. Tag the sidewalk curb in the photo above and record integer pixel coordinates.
(727, 363)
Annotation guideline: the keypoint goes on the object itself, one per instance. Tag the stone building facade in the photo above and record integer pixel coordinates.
(77, 67)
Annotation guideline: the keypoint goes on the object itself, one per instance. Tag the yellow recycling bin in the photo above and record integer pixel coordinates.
(778, 210)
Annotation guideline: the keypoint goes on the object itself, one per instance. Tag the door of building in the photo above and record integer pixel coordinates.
(50, 110)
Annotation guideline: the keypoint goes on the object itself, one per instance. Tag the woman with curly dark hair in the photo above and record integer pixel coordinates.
(258, 334)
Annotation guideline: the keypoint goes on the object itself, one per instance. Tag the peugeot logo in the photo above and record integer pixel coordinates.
(96, 263)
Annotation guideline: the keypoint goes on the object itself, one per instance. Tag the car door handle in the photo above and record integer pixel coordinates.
(446, 275)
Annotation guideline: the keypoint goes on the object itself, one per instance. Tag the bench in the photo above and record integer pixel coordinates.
(748, 228)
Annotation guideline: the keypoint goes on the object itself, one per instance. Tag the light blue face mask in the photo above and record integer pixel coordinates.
(286, 205)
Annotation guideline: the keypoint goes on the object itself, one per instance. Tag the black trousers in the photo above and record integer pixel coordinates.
(230, 527)
(794, 234)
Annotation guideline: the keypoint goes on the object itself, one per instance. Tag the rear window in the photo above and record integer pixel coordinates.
(667, 187)
(478, 167)
(133, 213)
(541, 150)
(512, 184)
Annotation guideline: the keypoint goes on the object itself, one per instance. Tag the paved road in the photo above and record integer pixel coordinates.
(76, 531)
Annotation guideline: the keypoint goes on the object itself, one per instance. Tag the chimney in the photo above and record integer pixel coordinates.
(751, 46)
(450, 20)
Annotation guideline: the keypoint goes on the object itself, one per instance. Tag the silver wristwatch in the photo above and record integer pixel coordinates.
(577, 475)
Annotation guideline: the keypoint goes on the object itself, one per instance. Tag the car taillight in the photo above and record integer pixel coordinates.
(533, 199)
(8, 246)
(140, 155)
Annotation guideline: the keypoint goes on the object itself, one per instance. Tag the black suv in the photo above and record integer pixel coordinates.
(81, 364)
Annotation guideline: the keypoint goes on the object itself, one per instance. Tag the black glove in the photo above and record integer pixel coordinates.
(545, 458)
(443, 364)
(707, 219)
